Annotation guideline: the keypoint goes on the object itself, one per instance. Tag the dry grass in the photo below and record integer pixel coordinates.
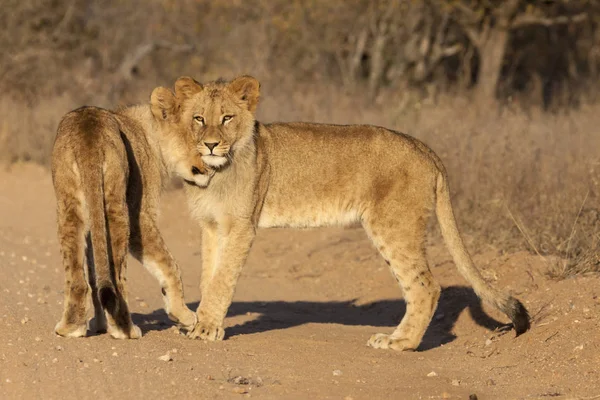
(518, 180)
(27, 132)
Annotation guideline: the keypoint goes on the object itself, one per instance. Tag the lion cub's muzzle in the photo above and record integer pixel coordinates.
(214, 154)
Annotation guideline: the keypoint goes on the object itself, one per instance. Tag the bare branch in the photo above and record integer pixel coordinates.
(466, 17)
(66, 19)
(132, 60)
(125, 71)
(526, 20)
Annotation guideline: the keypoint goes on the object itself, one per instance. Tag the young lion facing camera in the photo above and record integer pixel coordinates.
(108, 170)
(311, 175)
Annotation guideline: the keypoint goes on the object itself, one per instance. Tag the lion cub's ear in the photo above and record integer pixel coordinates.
(163, 104)
(247, 89)
(186, 87)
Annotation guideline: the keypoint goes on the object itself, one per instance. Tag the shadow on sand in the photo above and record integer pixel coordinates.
(386, 313)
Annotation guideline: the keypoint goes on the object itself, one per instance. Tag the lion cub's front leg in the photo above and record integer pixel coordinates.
(149, 248)
(218, 285)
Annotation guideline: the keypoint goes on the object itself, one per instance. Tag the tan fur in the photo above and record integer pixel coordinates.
(311, 175)
(108, 170)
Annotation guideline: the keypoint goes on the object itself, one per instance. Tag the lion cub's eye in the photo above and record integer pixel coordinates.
(199, 119)
(227, 118)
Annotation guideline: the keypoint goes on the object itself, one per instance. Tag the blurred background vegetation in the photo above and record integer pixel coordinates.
(505, 91)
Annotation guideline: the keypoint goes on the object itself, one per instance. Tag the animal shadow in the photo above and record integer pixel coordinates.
(276, 315)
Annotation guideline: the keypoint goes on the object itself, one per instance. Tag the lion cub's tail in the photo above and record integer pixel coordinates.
(510, 306)
(92, 178)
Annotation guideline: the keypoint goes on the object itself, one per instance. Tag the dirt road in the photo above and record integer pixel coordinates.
(306, 304)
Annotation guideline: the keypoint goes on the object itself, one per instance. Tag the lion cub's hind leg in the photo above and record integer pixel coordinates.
(99, 323)
(71, 238)
(120, 325)
(400, 239)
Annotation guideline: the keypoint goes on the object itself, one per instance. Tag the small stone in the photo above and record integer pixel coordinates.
(174, 351)
(490, 382)
(240, 380)
(143, 304)
(473, 397)
(578, 348)
(239, 390)
(209, 378)
(54, 360)
(455, 382)
(95, 360)
(348, 398)
(337, 372)
(115, 354)
(446, 395)
(38, 339)
(8, 380)
(488, 342)
(59, 348)
(24, 320)
(167, 357)
(24, 258)
(432, 373)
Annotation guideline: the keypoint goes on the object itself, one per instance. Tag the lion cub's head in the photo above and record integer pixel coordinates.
(178, 146)
(219, 116)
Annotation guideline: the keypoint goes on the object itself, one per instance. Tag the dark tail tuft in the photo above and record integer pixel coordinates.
(518, 314)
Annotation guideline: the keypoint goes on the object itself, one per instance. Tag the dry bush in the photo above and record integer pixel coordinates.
(26, 132)
(522, 180)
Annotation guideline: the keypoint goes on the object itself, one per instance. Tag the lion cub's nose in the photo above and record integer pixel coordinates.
(196, 171)
(211, 145)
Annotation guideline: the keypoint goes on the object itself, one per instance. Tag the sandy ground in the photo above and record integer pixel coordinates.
(305, 306)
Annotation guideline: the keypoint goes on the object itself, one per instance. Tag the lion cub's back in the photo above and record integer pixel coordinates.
(324, 174)
(90, 136)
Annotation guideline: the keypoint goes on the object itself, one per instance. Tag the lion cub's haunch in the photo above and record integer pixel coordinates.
(108, 170)
(311, 175)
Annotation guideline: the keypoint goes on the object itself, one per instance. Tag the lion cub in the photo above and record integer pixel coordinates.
(108, 169)
(311, 175)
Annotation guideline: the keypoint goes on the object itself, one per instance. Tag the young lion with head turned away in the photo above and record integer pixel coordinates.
(312, 175)
(108, 169)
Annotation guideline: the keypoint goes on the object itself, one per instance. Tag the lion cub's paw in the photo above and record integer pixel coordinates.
(383, 341)
(134, 332)
(206, 331)
(70, 330)
(186, 319)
